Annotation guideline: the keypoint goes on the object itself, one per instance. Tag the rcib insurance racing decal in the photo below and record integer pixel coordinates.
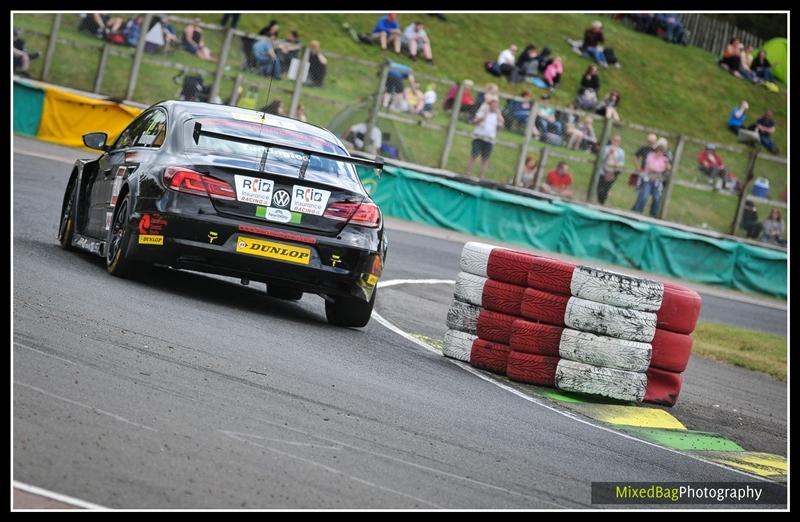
(309, 200)
(270, 249)
(151, 228)
(254, 190)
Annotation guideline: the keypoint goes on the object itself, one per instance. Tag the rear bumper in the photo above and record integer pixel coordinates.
(208, 243)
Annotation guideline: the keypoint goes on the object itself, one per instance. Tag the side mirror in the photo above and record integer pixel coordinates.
(96, 140)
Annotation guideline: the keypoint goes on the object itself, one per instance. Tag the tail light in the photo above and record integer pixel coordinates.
(184, 180)
(364, 214)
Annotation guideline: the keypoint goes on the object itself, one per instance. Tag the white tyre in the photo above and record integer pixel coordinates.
(608, 320)
(463, 317)
(469, 288)
(607, 382)
(458, 345)
(608, 352)
(475, 258)
(613, 288)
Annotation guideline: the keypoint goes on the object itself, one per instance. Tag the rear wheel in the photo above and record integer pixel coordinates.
(349, 311)
(119, 237)
(284, 292)
(66, 227)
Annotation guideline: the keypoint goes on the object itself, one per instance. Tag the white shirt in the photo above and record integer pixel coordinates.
(411, 33)
(486, 129)
(429, 98)
(506, 57)
(361, 128)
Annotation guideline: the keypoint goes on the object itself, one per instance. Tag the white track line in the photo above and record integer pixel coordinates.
(522, 395)
(56, 496)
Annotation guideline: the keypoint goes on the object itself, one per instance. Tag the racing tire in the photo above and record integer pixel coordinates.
(663, 387)
(509, 266)
(463, 317)
(284, 292)
(532, 369)
(535, 338)
(119, 238)
(349, 311)
(490, 356)
(680, 309)
(551, 275)
(494, 326)
(603, 351)
(475, 258)
(66, 227)
(547, 307)
(611, 321)
(671, 350)
(469, 288)
(579, 377)
(458, 345)
(617, 289)
(502, 297)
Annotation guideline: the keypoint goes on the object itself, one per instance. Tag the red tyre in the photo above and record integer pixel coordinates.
(502, 297)
(535, 338)
(494, 326)
(510, 266)
(538, 305)
(663, 387)
(671, 350)
(532, 369)
(679, 309)
(490, 356)
(551, 275)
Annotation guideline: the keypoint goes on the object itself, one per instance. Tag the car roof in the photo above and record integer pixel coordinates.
(188, 109)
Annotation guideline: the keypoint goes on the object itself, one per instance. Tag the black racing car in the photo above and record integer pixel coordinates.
(233, 192)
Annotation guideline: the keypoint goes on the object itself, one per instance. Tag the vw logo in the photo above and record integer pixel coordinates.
(280, 198)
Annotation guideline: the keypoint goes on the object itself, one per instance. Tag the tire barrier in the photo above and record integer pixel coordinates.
(458, 345)
(576, 328)
(490, 356)
(463, 317)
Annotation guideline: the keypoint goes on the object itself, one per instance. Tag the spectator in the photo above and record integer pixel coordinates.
(506, 61)
(552, 74)
(613, 163)
(608, 108)
(710, 163)
(737, 117)
(559, 182)
(266, 58)
(317, 65)
(590, 80)
(356, 136)
(765, 126)
(387, 30)
(414, 98)
(300, 113)
(233, 17)
(22, 57)
(275, 107)
(644, 22)
(529, 171)
(467, 98)
(772, 229)
(270, 30)
(100, 24)
(289, 49)
(549, 129)
(487, 121)
(582, 136)
(133, 30)
(592, 40)
(750, 222)
(731, 59)
(394, 82)
(429, 99)
(528, 62)
(651, 182)
(414, 38)
(670, 23)
(641, 153)
(519, 111)
(762, 67)
(193, 41)
(746, 65)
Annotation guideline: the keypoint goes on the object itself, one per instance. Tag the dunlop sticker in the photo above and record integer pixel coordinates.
(150, 239)
(270, 249)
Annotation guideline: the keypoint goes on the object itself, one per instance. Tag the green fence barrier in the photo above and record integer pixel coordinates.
(577, 231)
(28, 104)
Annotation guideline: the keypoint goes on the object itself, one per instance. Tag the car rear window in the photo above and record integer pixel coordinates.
(277, 161)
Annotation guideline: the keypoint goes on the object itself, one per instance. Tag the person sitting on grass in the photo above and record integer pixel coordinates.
(589, 80)
(133, 30)
(772, 229)
(528, 62)
(746, 65)
(765, 126)
(731, 59)
(414, 98)
(519, 111)
(429, 99)
(387, 31)
(266, 58)
(529, 171)
(356, 137)
(468, 104)
(559, 182)
(711, 164)
(762, 67)
(737, 116)
(506, 64)
(552, 74)
(99, 24)
(22, 57)
(608, 108)
(288, 49)
(193, 41)
(582, 135)
(415, 38)
(670, 23)
(592, 44)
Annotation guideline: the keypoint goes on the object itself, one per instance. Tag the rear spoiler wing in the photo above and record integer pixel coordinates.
(198, 131)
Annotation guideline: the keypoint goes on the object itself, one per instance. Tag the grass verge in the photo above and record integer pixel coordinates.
(759, 351)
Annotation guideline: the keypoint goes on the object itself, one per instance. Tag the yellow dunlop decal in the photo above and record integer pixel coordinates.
(149, 239)
(371, 280)
(259, 247)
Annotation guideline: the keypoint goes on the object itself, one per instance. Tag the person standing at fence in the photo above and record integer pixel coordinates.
(651, 182)
(288, 50)
(317, 65)
(487, 121)
(613, 163)
(395, 85)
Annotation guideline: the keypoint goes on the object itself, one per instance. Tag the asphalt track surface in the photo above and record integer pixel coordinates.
(187, 391)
